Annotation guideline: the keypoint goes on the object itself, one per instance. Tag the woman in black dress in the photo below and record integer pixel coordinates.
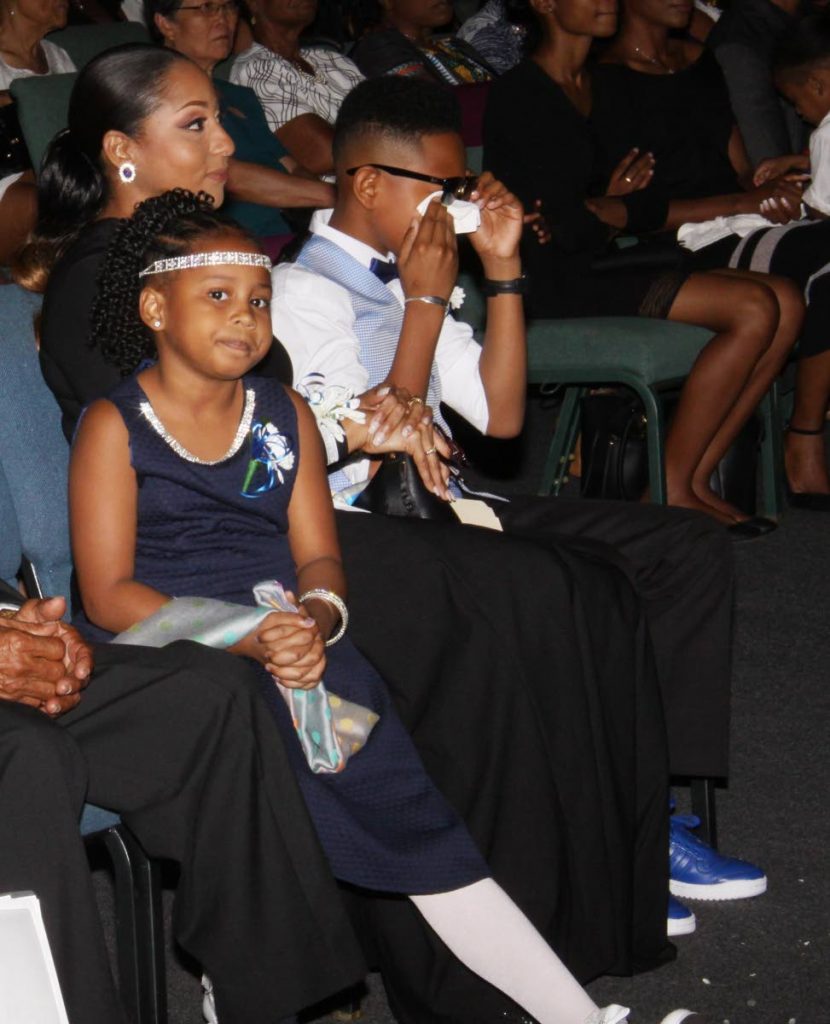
(540, 140)
(668, 94)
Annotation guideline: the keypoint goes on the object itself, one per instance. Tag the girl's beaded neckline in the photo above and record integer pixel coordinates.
(242, 431)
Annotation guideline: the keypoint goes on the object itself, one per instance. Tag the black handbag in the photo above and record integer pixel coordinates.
(14, 156)
(397, 489)
(615, 453)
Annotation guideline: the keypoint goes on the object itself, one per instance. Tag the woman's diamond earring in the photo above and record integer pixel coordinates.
(126, 172)
(157, 324)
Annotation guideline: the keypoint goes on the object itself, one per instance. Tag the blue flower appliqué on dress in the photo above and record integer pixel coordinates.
(272, 452)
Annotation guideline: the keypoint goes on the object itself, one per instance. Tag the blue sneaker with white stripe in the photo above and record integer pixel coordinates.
(698, 872)
(680, 920)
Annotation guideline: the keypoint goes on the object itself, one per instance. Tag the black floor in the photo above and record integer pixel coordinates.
(759, 961)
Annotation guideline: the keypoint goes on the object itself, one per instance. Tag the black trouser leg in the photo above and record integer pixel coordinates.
(42, 786)
(681, 565)
(179, 741)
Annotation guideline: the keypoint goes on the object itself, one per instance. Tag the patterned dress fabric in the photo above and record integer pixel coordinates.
(214, 530)
(285, 91)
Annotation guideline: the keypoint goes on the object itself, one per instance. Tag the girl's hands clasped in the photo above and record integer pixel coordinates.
(290, 646)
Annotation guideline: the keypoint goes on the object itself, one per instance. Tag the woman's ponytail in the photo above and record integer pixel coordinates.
(116, 91)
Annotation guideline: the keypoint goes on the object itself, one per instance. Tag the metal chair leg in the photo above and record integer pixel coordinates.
(654, 434)
(555, 471)
(140, 931)
(703, 805)
(772, 455)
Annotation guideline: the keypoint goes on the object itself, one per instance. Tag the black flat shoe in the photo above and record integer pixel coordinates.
(751, 529)
(813, 501)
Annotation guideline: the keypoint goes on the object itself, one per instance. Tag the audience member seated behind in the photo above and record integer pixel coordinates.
(541, 110)
(180, 743)
(743, 40)
(23, 53)
(499, 41)
(262, 177)
(668, 96)
(398, 37)
(300, 88)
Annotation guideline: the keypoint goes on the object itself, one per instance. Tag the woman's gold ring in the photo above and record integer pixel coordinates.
(415, 400)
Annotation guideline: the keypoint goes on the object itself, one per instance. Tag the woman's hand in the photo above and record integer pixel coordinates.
(631, 174)
(410, 429)
(609, 210)
(428, 260)
(779, 200)
(777, 166)
(502, 219)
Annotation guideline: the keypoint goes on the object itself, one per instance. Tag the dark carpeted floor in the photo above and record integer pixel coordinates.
(759, 961)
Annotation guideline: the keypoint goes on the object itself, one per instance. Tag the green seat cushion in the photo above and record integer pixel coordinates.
(42, 106)
(608, 349)
(83, 42)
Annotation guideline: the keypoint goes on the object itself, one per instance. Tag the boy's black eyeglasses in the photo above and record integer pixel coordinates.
(453, 188)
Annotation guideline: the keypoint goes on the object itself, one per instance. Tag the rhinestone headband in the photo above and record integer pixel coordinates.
(207, 259)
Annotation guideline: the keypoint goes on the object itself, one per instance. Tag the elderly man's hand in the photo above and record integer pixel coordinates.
(43, 662)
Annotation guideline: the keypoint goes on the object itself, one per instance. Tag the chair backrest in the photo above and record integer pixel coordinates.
(33, 453)
(83, 42)
(42, 106)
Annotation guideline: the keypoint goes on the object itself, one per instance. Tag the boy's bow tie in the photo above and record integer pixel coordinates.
(384, 270)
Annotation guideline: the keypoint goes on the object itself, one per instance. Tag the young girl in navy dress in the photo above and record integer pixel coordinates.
(192, 479)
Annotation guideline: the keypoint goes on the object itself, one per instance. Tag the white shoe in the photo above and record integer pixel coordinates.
(677, 1016)
(609, 1015)
(209, 1003)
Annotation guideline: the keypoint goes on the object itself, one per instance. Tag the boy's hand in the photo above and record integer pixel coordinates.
(502, 220)
(428, 260)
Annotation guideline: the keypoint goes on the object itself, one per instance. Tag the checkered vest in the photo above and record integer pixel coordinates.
(378, 320)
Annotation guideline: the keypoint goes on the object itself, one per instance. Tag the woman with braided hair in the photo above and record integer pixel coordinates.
(196, 292)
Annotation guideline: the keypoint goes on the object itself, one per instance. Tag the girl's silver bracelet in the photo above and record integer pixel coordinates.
(336, 601)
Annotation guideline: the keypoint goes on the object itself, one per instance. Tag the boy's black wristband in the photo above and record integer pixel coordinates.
(514, 286)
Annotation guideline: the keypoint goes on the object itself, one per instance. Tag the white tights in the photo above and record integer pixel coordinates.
(488, 933)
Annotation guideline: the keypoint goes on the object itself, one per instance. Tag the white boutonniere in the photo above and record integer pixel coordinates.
(457, 297)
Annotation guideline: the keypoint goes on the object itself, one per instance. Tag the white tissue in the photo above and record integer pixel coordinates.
(466, 217)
